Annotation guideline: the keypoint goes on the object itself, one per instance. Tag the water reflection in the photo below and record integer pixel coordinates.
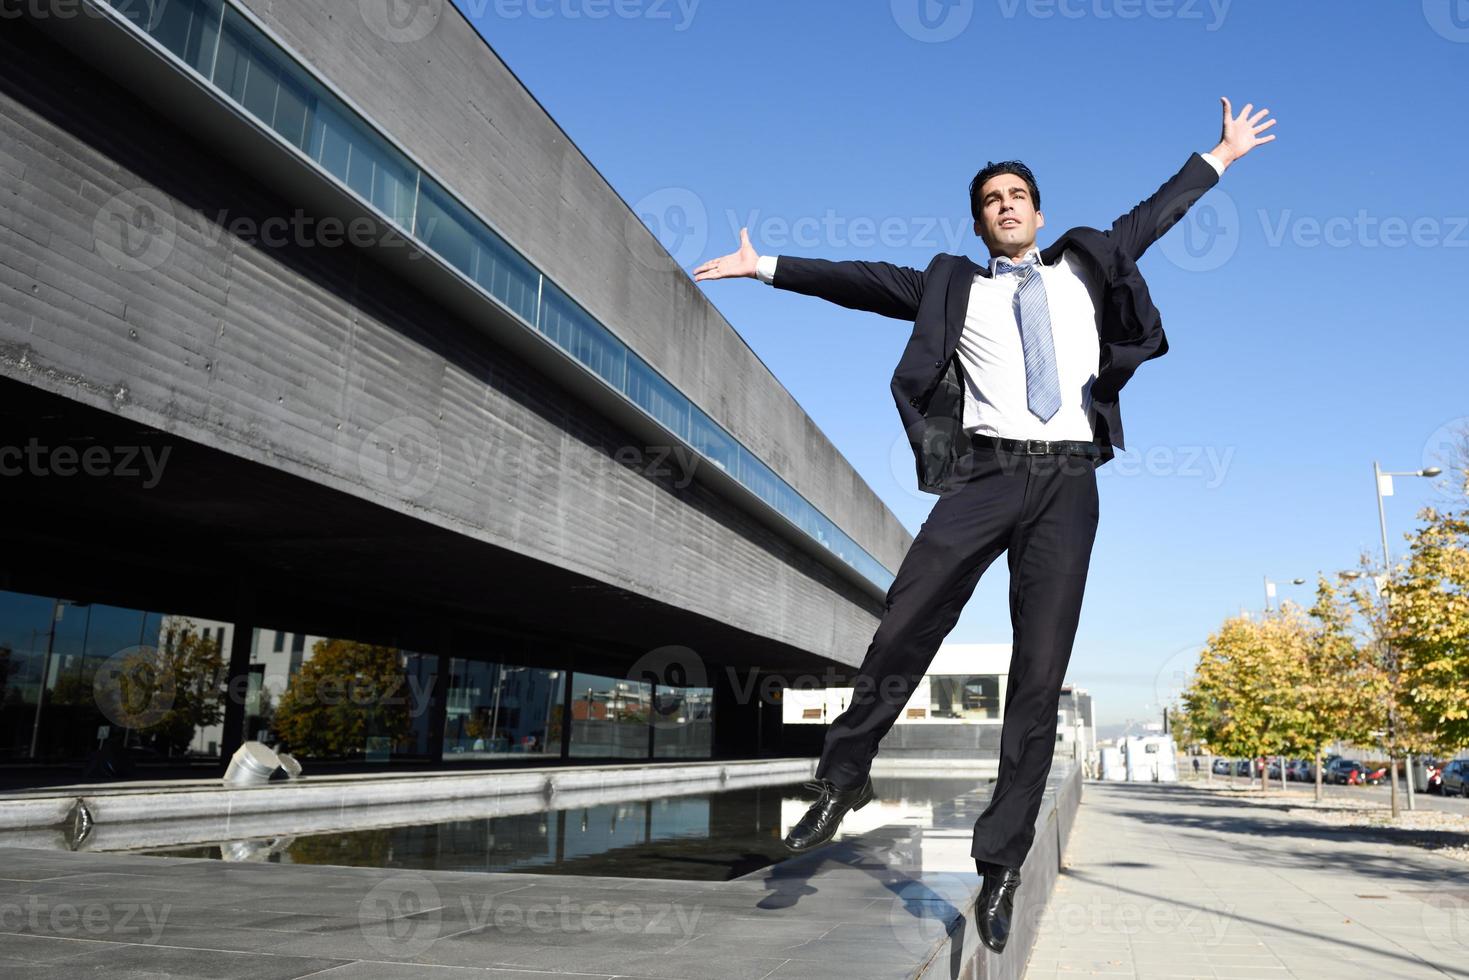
(701, 837)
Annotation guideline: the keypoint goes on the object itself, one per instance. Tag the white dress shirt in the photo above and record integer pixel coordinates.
(993, 359)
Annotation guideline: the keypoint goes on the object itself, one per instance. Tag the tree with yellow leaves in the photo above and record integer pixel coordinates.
(1241, 701)
(344, 693)
(1344, 694)
(1428, 623)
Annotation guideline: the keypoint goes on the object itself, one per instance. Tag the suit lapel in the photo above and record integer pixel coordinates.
(956, 300)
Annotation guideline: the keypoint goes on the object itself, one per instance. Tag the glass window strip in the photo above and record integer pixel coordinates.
(251, 70)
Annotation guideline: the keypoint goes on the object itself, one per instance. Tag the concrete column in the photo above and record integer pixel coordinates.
(439, 706)
(242, 638)
(742, 722)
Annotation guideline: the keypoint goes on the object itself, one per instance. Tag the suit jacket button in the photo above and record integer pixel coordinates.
(938, 363)
(913, 402)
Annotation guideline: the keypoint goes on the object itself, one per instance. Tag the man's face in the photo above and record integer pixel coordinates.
(1008, 219)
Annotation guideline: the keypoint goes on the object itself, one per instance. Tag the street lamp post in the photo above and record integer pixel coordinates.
(1346, 574)
(1270, 589)
(1383, 482)
(1269, 592)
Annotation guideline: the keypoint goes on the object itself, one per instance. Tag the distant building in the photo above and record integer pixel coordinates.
(965, 685)
(1076, 730)
(956, 709)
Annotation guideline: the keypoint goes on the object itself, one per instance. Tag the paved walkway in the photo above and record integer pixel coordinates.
(1183, 881)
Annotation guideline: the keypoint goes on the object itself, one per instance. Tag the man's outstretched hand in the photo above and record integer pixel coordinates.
(733, 265)
(1241, 133)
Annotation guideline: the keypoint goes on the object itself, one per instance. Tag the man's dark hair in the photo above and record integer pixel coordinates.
(992, 169)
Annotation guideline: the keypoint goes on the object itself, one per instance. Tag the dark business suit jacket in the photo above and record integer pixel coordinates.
(928, 385)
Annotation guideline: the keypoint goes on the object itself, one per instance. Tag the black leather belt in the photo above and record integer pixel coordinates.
(1040, 447)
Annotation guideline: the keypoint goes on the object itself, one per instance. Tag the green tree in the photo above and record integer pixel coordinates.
(1286, 647)
(344, 693)
(165, 694)
(1245, 699)
(1343, 691)
(1428, 624)
(1226, 701)
(197, 664)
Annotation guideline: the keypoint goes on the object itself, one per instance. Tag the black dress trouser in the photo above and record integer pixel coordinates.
(1042, 509)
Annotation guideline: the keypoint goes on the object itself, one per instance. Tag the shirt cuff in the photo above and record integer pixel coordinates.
(1214, 162)
(765, 268)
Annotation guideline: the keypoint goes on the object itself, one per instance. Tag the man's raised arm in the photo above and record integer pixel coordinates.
(1151, 219)
(877, 287)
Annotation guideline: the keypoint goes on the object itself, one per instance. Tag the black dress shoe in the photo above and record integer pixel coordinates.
(996, 903)
(821, 821)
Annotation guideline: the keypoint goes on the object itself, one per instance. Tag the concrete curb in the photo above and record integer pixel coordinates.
(961, 952)
(217, 812)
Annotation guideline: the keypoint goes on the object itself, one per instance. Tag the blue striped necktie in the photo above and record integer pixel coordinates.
(1042, 384)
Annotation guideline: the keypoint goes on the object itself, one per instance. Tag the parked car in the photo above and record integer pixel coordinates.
(1366, 776)
(1341, 771)
(1221, 767)
(1456, 778)
(1295, 770)
(1291, 767)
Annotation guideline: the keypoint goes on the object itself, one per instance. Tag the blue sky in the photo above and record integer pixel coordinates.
(1313, 300)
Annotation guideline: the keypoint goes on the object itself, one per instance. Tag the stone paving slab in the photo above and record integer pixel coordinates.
(892, 902)
(1174, 880)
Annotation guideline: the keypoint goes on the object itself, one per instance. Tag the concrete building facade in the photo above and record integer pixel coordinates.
(313, 328)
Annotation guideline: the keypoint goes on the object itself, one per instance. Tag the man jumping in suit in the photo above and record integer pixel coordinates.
(1008, 392)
